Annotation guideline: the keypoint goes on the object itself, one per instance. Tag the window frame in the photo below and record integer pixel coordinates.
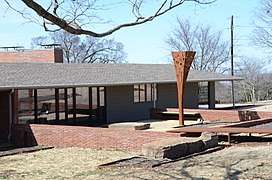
(145, 93)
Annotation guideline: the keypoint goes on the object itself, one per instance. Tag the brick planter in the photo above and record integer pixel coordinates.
(86, 137)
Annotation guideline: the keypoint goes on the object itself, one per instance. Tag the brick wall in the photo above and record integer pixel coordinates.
(217, 115)
(44, 56)
(4, 116)
(86, 137)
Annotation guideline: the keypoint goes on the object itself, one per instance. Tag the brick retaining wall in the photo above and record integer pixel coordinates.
(86, 137)
(217, 115)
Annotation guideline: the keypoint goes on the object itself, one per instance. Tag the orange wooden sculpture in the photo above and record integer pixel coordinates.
(182, 62)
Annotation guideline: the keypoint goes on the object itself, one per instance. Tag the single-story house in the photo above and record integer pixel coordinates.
(61, 93)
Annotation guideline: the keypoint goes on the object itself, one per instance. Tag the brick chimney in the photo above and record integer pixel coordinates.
(54, 55)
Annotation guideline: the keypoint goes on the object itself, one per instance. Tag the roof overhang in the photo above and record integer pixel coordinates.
(57, 75)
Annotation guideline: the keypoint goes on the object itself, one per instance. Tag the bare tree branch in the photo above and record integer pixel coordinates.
(72, 24)
(262, 35)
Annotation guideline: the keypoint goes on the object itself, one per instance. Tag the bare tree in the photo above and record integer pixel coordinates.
(78, 16)
(86, 50)
(212, 52)
(262, 35)
(257, 84)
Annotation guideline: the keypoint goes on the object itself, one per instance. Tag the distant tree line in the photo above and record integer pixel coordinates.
(84, 49)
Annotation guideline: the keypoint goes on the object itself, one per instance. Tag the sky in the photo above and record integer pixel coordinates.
(146, 43)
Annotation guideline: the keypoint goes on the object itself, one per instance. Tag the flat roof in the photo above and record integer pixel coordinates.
(58, 75)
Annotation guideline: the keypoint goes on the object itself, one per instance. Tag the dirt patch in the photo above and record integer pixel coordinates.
(17, 150)
(134, 162)
(231, 163)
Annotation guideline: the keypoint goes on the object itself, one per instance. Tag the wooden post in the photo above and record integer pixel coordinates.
(90, 103)
(66, 108)
(30, 101)
(57, 110)
(74, 105)
(36, 106)
(182, 62)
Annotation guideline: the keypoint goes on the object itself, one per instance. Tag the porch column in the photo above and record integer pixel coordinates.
(74, 105)
(15, 107)
(105, 105)
(30, 101)
(57, 105)
(98, 115)
(66, 104)
(4, 116)
(36, 106)
(211, 94)
(90, 103)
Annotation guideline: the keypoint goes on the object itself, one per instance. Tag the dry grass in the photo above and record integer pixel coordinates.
(77, 163)
(231, 163)
(68, 163)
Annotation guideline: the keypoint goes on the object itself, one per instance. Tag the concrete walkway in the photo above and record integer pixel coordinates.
(154, 125)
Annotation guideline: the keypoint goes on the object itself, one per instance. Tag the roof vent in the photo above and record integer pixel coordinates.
(51, 46)
(13, 48)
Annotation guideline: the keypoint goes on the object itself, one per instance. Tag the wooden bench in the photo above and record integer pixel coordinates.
(174, 115)
(228, 130)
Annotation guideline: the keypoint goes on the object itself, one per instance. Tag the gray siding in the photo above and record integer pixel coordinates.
(167, 96)
(191, 95)
(120, 105)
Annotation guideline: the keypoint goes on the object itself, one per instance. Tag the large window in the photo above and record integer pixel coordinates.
(25, 112)
(78, 105)
(145, 92)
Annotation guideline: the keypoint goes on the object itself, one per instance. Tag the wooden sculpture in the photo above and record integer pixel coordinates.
(182, 62)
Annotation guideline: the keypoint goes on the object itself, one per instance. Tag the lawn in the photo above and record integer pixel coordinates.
(78, 163)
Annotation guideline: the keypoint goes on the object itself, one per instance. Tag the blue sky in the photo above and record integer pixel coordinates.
(145, 43)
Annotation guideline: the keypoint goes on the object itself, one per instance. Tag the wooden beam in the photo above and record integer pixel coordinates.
(35, 106)
(57, 105)
(66, 104)
(98, 104)
(90, 103)
(105, 106)
(74, 104)
(182, 62)
(223, 130)
(30, 101)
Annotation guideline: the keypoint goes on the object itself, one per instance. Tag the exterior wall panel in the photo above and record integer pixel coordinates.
(191, 95)
(167, 96)
(120, 105)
